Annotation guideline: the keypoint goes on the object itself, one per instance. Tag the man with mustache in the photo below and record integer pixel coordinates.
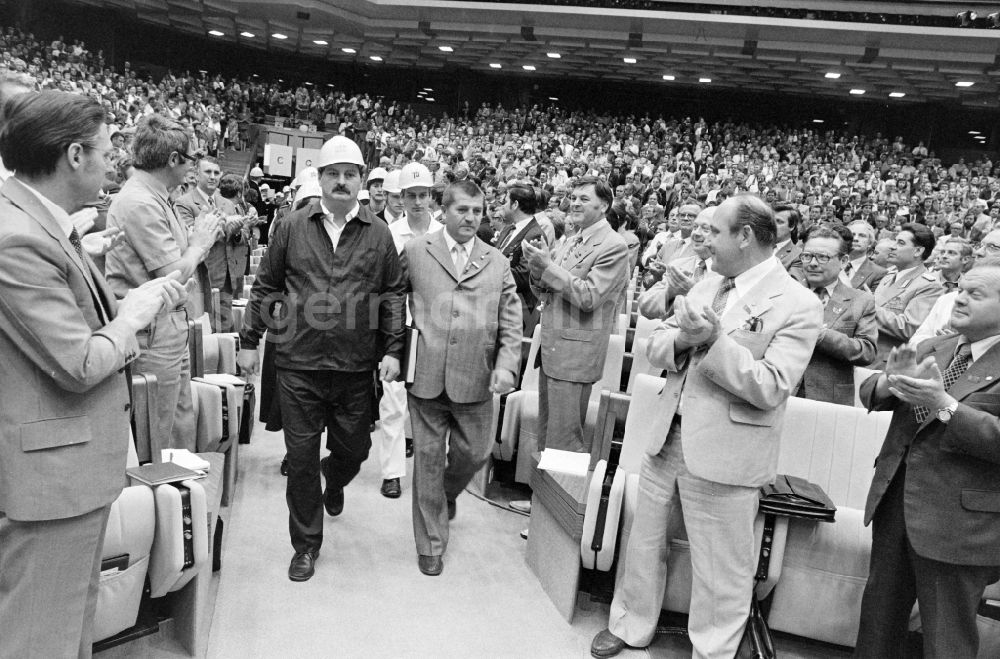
(334, 266)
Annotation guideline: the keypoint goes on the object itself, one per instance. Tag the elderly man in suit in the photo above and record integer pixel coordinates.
(579, 289)
(64, 394)
(934, 502)
(733, 351)
(655, 302)
(861, 271)
(519, 226)
(465, 306)
(675, 248)
(227, 260)
(849, 331)
(904, 298)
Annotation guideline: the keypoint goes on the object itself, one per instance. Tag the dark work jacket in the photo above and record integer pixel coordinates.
(343, 309)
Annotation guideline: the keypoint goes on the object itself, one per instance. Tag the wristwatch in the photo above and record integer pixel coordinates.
(945, 413)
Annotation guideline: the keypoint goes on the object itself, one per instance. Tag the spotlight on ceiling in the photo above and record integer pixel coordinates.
(669, 77)
(375, 58)
(832, 75)
(897, 94)
(964, 83)
(528, 67)
(321, 42)
(553, 55)
(817, 121)
(857, 92)
(248, 35)
(279, 36)
(496, 65)
(705, 80)
(216, 33)
(446, 49)
(349, 51)
(629, 60)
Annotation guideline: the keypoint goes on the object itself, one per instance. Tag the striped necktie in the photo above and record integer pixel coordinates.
(722, 295)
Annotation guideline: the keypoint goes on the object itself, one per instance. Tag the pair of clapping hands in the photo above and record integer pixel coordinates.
(915, 383)
(680, 281)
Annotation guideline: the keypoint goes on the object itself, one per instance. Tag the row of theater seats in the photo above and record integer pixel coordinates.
(816, 572)
(148, 524)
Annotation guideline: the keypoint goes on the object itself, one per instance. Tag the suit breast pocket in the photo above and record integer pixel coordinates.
(54, 433)
(755, 342)
(985, 501)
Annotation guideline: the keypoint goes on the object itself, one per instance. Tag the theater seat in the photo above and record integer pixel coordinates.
(129, 533)
(167, 572)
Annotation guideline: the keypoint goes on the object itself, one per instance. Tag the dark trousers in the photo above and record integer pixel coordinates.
(948, 594)
(451, 442)
(311, 400)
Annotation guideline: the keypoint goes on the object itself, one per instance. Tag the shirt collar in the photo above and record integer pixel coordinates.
(204, 197)
(585, 234)
(451, 243)
(780, 246)
(980, 347)
(61, 216)
(351, 214)
(746, 280)
(902, 273)
(519, 225)
(857, 263)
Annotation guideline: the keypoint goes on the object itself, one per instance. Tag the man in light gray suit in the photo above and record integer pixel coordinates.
(579, 288)
(656, 301)
(465, 306)
(733, 350)
(64, 394)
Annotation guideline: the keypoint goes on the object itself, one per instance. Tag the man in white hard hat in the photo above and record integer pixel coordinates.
(336, 271)
(376, 194)
(393, 198)
(415, 183)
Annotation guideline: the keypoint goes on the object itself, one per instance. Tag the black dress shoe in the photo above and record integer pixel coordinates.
(390, 488)
(333, 501)
(303, 565)
(430, 565)
(452, 509)
(606, 644)
(409, 447)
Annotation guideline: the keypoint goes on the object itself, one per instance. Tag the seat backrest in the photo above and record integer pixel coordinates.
(639, 431)
(622, 325)
(644, 327)
(529, 381)
(612, 377)
(860, 375)
(640, 364)
(833, 446)
(612, 413)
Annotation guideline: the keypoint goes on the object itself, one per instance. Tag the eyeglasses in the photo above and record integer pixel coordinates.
(186, 156)
(822, 259)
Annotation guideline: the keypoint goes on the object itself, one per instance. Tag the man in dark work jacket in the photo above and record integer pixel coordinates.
(334, 266)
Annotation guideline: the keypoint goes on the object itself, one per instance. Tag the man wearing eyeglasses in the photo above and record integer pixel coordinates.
(157, 243)
(849, 333)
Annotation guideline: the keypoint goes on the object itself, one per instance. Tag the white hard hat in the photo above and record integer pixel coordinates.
(377, 174)
(308, 189)
(391, 182)
(363, 195)
(265, 186)
(415, 175)
(307, 174)
(256, 171)
(340, 150)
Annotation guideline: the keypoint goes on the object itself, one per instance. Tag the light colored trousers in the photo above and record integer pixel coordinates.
(391, 434)
(164, 353)
(719, 520)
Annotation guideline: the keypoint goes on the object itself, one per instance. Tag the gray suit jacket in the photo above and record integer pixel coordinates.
(901, 305)
(868, 275)
(64, 399)
(847, 340)
(580, 297)
(469, 322)
(228, 255)
(735, 392)
(951, 495)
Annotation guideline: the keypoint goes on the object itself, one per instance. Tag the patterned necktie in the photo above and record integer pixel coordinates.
(571, 248)
(700, 269)
(505, 237)
(722, 295)
(823, 296)
(848, 268)
(74, 240)
(950, 376)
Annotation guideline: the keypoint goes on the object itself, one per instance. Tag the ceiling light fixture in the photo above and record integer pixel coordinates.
(553, 98)
(216, 33)
(669, 77)
(248, 35)
(897, 94)
(857, 92)
(429, 99)
(446, 49)
(375, 58)
(964, 83)
(973, 132)
(817, 121)
(279, 35)
(629, 60)
(496, 65)
(428, 89)
(553, 55)
(832, 75)
(320, 42)
(705, 80)
(349, 51)
(528, 67)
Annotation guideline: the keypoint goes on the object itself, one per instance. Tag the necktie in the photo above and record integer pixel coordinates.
(505, 236)
(700, 269)
(74, 240)
(722, 295)
(822, 295)
(848, 268)
(458, 256)
(950, 285)
(950, 376)
(571, 248)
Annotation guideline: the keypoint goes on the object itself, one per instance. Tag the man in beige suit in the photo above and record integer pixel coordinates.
(64, 396)
(655, 302)
(733, 350)
(465, 305)
(579, 289)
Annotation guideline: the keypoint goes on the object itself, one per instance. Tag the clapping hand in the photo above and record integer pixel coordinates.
(537, 255)
(917, 384)
(102, 242)
(696, 327)
(680, 281)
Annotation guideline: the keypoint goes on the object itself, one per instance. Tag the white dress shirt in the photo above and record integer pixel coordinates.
(331, 227)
